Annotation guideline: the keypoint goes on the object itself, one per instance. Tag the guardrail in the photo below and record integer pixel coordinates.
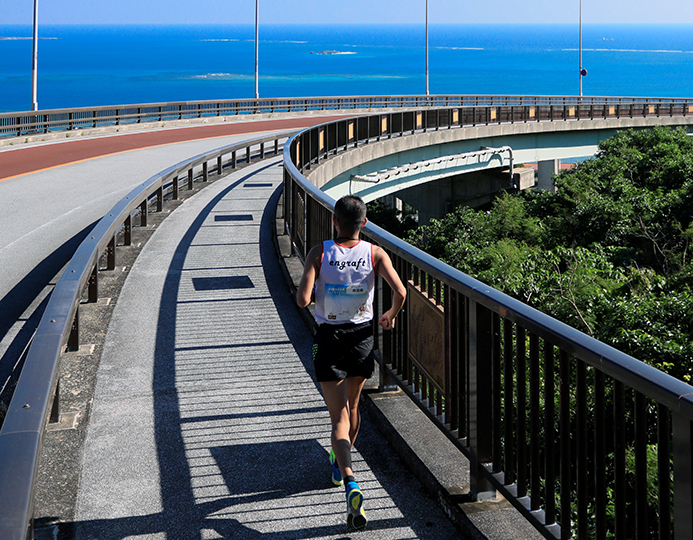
(569, 430)
(36, 397)
(17, 124)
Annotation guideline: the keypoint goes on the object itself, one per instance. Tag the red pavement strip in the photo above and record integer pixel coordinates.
(26, 160)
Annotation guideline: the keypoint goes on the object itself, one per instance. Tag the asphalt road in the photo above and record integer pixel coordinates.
(52, 194)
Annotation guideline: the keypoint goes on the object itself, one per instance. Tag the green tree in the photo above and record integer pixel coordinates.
(608, 253)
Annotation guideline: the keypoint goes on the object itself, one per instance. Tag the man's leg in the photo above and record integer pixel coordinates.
(336, 399)
(355, 385)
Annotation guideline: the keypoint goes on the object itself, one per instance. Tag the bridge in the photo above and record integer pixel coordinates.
(190, 401)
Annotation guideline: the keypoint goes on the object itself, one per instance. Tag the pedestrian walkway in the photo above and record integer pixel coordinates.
(207, 421)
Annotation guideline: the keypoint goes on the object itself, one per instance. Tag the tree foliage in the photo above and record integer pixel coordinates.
(608, 253)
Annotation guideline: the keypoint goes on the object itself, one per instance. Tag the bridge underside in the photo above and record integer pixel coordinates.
(427, 171)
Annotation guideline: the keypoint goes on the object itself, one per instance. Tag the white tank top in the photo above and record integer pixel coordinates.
(344, 288)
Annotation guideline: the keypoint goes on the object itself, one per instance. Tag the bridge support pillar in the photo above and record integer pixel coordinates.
(545, 173)
(391, 201)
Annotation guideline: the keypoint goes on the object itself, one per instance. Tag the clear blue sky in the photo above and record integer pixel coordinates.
(345, 11)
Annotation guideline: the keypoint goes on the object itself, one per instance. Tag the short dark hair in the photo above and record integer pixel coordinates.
(350, 212)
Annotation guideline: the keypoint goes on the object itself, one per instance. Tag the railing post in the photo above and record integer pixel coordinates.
(110, 254)
(387, 383)
(160, 199)
(93, 285)
(233, 159)
(480, 396)
(247, 155)
(205, 172)
(143, 212)
(175, 188)
(127, 228)
(683, 478)
(73, 338)
(664, 469)
(190, 179)
(220, 166)
(54, 418)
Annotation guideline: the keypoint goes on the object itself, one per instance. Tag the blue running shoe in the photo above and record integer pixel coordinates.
(356, 517)
(336, 473)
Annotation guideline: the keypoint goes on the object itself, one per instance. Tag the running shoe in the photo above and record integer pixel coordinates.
(336, 473)
(356, 517)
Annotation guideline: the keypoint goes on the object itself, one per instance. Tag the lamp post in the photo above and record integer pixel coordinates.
(34, 63)
(427, 47)
(582, 71)
(257, 18)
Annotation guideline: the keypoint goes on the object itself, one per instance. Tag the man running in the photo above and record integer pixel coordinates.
(342, 273)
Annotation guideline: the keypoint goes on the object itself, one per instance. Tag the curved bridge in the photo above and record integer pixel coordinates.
(455, 141)
(490, 365)
(501, 380)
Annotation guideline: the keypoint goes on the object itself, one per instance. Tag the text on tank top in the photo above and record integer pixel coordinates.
(344, 288)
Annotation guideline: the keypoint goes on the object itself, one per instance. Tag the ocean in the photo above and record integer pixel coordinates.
(109, 65)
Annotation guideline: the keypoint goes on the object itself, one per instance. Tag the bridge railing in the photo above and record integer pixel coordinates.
(36, 398)
(584, 440)
(17, 124)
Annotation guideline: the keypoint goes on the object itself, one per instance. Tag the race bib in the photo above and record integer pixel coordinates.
(345, 303)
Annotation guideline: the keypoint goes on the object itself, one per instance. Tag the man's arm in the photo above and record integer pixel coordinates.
(384, 268)
(310, 274)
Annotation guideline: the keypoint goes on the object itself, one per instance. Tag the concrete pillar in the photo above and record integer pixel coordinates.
(545, 172)
(391, 201)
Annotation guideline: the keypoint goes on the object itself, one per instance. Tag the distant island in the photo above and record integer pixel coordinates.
(9, 38)
(333, 52)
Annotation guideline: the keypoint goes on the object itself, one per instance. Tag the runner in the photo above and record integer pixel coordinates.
(342, 272)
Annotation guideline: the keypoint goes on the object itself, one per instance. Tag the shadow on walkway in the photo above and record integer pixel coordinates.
(240, 430)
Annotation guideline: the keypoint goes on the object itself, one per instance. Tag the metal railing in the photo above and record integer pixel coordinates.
(36, 398)
(582, 439)
(17, 124)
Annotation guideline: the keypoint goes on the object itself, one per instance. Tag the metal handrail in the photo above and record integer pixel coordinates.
(21, 435)
(16, 124)
(36, 396)
(485, 336)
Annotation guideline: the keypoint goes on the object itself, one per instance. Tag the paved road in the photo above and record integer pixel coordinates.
(46, 213)
(19, 161)
(206, 420)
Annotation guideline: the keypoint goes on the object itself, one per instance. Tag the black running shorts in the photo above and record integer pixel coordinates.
(344, 350)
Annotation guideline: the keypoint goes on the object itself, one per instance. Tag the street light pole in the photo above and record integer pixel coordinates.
(427, 47)
(581, 49)
(34, 63)
(257, 19)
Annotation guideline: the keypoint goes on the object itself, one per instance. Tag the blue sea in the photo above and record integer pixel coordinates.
(108, 65)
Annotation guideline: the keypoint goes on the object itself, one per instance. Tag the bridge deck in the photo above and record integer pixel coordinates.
(206, 421)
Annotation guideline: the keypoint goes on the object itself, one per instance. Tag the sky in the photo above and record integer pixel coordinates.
(345, 11)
